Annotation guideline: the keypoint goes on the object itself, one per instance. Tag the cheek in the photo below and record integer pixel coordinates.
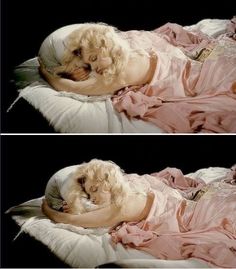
(107, 196)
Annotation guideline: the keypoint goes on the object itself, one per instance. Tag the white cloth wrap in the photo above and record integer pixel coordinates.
(54, 189)
(52, 48)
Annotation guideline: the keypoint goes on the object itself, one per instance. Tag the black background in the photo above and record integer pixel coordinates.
(25, 24)
(29, 161)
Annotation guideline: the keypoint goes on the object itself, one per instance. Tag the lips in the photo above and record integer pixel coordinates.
(99, 71)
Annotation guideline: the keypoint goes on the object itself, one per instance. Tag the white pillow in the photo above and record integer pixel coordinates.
(70, 112)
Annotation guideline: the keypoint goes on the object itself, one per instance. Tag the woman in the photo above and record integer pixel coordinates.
(180, 81)
(155, 217)
(98, 60)
(105, 60)
(104, 184)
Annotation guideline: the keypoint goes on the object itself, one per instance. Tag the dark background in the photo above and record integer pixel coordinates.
(29, 161)
(26, 23)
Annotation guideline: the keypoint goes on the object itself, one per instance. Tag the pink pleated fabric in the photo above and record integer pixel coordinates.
(177, 228)
(185, 95)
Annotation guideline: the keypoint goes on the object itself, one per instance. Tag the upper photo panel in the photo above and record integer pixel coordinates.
(118, 67)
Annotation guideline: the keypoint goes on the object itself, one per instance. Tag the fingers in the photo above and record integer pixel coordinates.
(42, 66)
(44, 206)
(81, 78)
(80, 74)
(42, 70)
(40, 61)
(65, 207)
(46, 74)
(84, 76)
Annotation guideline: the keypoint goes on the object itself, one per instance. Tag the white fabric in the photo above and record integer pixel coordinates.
(211, 27)
(56, 186)
(70, 112)
(57, 189)
(80, 247)
(52, 49)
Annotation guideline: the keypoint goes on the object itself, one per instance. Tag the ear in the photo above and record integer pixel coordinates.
(103, 42)
(106, 188)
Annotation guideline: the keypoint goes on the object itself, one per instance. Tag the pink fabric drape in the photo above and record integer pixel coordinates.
(177, 228)
(185, 95)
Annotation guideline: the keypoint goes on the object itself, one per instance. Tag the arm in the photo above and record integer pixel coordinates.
(105, 217)
(79, 74)
(90, 86)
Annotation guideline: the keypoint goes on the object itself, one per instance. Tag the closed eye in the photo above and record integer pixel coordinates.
(93, 58)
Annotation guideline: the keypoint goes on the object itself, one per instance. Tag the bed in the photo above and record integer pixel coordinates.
(91, 248)
(74, 113)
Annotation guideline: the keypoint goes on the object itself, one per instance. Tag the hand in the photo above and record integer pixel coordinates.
(65, 207)
(49, 212)
(44, 72)
(80, 74)
(40, 62)
(45, 207)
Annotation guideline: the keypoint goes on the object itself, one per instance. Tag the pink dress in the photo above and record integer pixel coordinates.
(177, 228)
(185, 95)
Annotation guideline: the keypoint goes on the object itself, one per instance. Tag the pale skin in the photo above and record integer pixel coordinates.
(138, 71)
(135, 208)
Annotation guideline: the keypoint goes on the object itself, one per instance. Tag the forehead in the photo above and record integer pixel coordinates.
(86, 51)
(88, 184)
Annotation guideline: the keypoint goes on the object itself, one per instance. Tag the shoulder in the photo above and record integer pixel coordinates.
(133, 209)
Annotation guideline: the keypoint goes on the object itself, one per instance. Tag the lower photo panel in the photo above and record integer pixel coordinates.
(165, 181)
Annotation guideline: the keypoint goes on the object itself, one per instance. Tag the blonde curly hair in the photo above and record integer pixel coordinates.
(103, 38)
(105, 173)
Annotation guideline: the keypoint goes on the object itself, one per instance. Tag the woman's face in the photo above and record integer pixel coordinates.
(98, 194)
(96, 60)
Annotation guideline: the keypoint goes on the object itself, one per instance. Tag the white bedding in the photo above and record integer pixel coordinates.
(74, 113)
(80, 247)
